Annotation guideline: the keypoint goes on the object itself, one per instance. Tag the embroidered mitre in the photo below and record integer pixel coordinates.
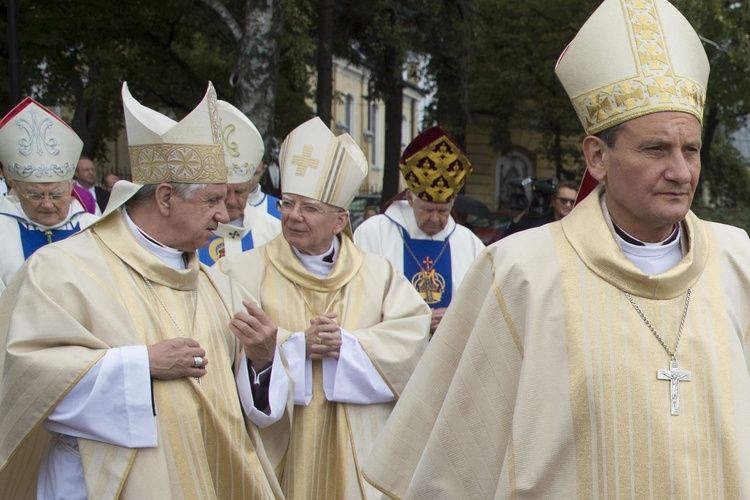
(632, 58)
(243, 145)
(162, 150)
(36, 145)
(434, 167)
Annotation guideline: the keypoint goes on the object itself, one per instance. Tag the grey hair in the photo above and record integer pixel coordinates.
(182, 190)
(609, 136)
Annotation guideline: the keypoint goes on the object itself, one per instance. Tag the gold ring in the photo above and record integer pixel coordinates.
(318, 341)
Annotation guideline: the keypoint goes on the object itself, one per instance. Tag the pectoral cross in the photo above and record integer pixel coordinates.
(674, 375)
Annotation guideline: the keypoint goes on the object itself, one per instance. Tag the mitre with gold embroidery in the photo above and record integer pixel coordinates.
(162, 150)
(434, 167)
(317, 164)
(632, 58)
(36, 145)
(243, 145)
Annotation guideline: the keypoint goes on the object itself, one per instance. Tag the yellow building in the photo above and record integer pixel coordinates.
(364, 118)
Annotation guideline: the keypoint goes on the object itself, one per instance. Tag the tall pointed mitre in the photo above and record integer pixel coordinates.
(163, 150)
(36, 145)
(243, 145)
(317, 164)
(434, 167)
(632, 58)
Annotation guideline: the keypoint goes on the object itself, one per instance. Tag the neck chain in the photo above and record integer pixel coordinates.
(674, 374)
(195, 307)
(672, 354)
(419, 264)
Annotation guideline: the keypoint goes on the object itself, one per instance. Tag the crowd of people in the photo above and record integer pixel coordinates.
(183, 334)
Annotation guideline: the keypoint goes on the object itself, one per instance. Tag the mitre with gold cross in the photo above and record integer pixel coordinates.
(317, 164)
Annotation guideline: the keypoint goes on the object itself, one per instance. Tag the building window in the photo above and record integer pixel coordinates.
(349, 114)
(374, 133)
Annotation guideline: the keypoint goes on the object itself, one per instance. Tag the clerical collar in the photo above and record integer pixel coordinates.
(256, 196)
(170, 256)
(320, 265)
(635, 241)
(652, 258)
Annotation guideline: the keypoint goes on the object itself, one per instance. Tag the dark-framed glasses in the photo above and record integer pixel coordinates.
(286, 207)
(566, 201)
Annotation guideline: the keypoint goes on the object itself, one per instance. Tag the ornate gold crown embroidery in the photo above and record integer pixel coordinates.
(194, 163)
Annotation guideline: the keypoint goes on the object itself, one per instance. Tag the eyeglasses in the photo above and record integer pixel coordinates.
(566, 201)
(36, 196)
(286, 207)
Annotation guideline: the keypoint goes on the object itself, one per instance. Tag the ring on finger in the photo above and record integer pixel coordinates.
(198, 361)
(318, 340)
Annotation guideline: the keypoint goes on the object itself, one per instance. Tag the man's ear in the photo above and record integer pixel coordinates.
(595, 151)
(342, 218)
(164, 197)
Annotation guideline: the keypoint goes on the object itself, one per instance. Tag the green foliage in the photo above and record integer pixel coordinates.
(727, 178)
(297, 63)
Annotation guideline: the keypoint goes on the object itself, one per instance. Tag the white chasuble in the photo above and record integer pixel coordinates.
(376, 305)
(94, 295)
(542, 380)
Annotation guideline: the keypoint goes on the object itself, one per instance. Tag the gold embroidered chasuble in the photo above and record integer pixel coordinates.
(329, 440)
(94, 297)
(541, 380)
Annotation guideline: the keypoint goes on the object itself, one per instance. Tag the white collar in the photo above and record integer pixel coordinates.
(170, 256)
(315, 264)
(402, 213)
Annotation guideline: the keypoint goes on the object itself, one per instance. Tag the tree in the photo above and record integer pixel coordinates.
(255, 75)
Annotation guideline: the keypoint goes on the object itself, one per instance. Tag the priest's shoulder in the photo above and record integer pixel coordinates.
(235, 263)
(525, 248)
(80, 244)
(730, 237)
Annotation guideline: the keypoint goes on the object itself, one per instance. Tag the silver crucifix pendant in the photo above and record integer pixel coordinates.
(674, 375)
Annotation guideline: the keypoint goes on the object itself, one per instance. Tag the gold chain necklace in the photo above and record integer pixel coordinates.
(674, 374)
(195, 312)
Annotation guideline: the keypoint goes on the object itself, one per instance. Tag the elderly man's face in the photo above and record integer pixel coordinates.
(431, 217)
(86, 173)
(309, 225)
(651, 174)
(195, 218)
(237, 198)
(45, 203)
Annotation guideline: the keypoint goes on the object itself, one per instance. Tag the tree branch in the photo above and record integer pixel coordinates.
(227, 17)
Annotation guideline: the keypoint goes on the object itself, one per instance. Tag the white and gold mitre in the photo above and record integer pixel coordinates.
(317, 164)
(162, 150)
(632, 58)
(243, 145)
(36, 145)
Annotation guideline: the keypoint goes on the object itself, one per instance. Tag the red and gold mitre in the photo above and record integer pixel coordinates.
(434, 167)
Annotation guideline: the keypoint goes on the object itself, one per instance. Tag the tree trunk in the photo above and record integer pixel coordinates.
(393, 122)
(325, 62)
(258, 65)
